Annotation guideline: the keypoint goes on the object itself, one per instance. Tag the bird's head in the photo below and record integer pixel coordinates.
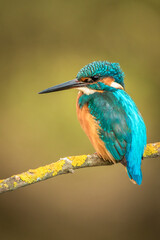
(96, 76)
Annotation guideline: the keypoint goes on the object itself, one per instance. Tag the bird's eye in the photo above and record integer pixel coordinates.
(95, 78)
(91, 79)
(88, 80)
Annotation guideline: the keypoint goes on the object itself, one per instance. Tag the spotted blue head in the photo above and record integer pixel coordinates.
(97, 76)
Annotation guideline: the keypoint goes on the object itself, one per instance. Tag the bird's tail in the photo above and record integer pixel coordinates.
(135, 176)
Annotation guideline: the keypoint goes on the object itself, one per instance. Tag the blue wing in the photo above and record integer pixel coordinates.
(121, 128)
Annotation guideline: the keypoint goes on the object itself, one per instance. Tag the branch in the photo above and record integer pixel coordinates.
(63, 166)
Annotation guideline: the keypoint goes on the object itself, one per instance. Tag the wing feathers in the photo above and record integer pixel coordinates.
(112, 119)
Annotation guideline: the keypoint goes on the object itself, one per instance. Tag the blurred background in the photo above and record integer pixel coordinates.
(43, 43)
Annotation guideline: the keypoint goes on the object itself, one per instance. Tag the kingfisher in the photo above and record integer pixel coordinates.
(109, 116)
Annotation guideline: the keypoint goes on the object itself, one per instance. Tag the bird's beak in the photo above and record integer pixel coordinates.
(63, 86)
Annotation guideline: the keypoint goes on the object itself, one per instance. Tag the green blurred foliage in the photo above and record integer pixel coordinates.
(43, 43)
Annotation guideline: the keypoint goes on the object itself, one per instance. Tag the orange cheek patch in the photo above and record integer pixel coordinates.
(107, 81)
(110, 82)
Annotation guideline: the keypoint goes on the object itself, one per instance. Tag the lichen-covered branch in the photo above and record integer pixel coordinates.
(64, 165)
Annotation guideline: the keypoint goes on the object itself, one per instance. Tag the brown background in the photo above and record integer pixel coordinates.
(43, 43)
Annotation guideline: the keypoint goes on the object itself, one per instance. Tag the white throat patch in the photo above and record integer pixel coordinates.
(116, 85)
(86, 90)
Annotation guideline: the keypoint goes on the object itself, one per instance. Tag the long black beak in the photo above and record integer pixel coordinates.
(63, 86)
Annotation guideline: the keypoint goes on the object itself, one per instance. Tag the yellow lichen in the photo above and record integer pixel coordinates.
(15, 184)
(151, 149)
(1, 181)
(58, 166)
(26, 177)
(5, 185)
(34, 175)
(78, 160)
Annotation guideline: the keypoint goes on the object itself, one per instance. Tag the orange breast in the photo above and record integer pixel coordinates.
(91, 128)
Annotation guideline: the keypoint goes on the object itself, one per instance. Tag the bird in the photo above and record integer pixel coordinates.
(108, 115)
